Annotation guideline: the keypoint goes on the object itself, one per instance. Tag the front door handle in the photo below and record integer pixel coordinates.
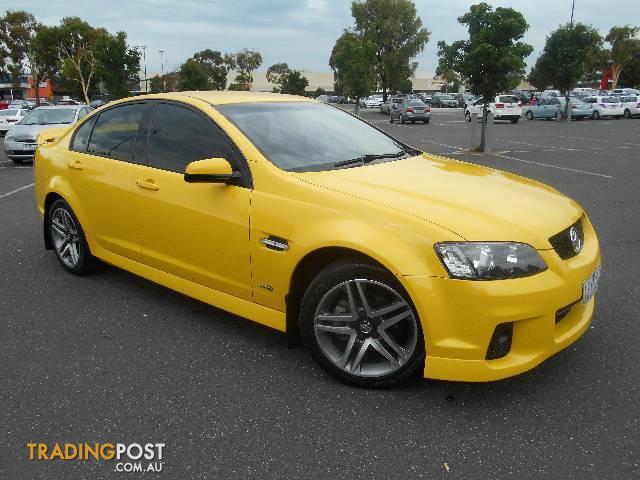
(149, 184)
(76, 165)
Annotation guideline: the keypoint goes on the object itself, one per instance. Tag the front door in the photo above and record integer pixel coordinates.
(197, 231)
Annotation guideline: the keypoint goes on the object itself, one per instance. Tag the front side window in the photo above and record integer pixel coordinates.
(81, 137)
(179, 136)
(8, 113)
(115, 132)
(304, 136)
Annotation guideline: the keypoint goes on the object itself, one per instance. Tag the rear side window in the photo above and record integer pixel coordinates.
(81, 137)
(508, 99)
(115, 132)
(180, 136)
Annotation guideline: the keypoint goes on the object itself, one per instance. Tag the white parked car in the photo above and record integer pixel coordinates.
(623, 92)
(373, 101)
(21, 142)
(630, 106)
(9, 117)
(605, 107)
(550, 93)
(503, 107)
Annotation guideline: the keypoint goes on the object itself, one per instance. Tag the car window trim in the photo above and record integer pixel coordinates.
(246, 180)
(97, 117)
(87, 118)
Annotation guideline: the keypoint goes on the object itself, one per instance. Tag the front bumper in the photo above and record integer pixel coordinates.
(459, 317)
(19, 150)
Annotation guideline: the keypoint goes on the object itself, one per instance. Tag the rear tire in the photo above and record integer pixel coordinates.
(627, 113)
(514, 120)
(17, 161)
(595, 115)
(529, 115)
(426, 121)
(68, 239)
(342, 320)
(467, 117)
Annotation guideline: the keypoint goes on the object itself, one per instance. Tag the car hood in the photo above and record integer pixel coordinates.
(475, 202)
(31, 131)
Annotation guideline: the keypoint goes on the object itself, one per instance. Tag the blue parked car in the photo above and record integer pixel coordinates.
(553, 107)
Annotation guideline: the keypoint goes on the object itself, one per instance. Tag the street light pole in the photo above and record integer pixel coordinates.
(573, 6)
(144, 61)
(161, 64)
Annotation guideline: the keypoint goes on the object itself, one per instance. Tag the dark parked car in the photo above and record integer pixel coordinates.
(444, 100)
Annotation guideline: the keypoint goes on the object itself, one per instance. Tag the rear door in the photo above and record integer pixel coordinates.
(101, 166)
(196, 231)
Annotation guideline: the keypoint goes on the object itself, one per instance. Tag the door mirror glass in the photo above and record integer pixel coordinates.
(211, 170)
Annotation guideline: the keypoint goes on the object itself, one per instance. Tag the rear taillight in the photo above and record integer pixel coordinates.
(638, 105)
(519, 104)
(409, 109)
(499, 105)
(12, 120)
(427, 109)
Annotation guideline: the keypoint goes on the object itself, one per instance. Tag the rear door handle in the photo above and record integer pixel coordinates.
(76, 164)
(149, 184)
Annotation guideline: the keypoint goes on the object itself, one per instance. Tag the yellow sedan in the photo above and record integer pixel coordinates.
(385, 261)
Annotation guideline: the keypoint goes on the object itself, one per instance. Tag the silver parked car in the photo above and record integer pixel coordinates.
(20, 142)
(386, 106)
(410, 110)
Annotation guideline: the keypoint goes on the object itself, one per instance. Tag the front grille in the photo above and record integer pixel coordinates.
(562, 244)
(24, 140)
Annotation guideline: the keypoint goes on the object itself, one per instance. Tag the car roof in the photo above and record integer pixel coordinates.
(220, 97)
(60, 107)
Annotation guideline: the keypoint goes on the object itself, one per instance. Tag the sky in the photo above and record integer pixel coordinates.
(298, 32)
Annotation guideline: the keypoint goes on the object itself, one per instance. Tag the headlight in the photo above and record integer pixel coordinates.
(489, 260)
(9, 136)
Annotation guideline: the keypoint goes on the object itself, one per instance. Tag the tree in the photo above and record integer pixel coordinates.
(319, 91)
(217, 66)
(451, 80)
(294, 83)
(625, 48)
(287, 80)
(565, 57)
(76, 40)
(276, 73)
(117, 65)
(353, 62)
(396, 31)
(28, 44)
(246, 62)
(169, 82)
(193, 76)
(492, 59)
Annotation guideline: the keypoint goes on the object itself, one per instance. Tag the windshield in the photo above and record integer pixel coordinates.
(8, 113)
(305, 136)
(49, 116)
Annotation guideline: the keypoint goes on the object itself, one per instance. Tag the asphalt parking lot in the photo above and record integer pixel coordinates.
(114, 357)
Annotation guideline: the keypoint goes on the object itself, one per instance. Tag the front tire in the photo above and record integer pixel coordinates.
(361, 326)
(68, 239)
(529, 115)
(596, 115)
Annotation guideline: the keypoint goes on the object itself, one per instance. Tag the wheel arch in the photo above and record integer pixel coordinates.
(48, 201)
(303, 274)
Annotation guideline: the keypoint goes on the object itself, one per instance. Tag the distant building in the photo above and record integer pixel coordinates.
(25, 88)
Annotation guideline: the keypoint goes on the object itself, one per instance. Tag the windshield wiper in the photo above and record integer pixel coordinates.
(370, 157)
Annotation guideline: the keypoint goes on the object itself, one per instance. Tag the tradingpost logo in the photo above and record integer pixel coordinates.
(133, 457)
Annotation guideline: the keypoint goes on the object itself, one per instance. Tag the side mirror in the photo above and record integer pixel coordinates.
(211, 170)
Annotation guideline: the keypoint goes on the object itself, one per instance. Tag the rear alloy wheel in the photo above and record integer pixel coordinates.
(361, 327)
(68, 240)
(529, 115)
(627, 113)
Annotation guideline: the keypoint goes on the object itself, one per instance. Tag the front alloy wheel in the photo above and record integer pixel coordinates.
(361, 327)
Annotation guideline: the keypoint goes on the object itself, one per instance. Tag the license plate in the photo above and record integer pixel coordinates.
(590, 286)
(29, 147)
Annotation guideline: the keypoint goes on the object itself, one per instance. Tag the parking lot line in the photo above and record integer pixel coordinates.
(557, 166)
(4, 195)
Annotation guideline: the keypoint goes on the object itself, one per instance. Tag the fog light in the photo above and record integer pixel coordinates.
(500, 344)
